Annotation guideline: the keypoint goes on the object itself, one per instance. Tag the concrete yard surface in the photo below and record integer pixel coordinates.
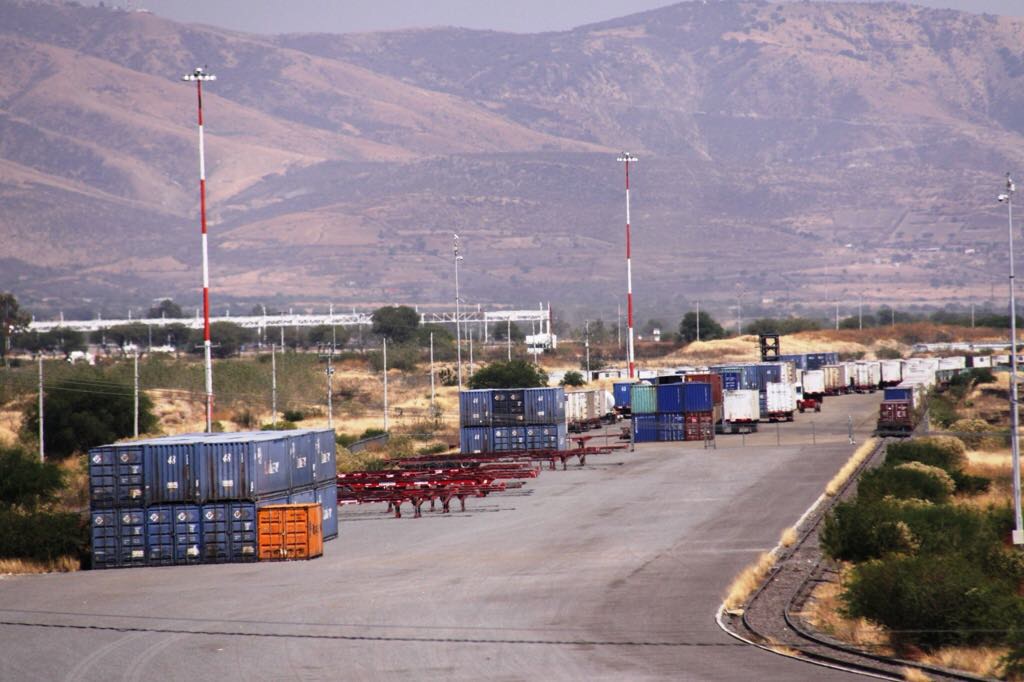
(611, 571)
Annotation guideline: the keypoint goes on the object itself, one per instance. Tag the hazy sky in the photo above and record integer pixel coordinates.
(345, 16)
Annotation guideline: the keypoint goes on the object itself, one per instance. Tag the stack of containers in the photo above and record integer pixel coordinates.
(512, 420)
(672, 412)
(193, 498)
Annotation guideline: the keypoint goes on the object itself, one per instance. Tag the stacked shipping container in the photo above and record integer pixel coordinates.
(508, 420)
(671, 412)
(193, 498)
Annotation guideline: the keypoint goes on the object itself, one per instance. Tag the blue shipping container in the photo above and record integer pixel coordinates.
(475, 408)
(508, 438)
(168, 466)
(102, 478)
(621, 393)
(327, 496)
(544, 405)
(897, 393)
(671, 427)
(131, 532)
(322, 445)
(670, 398)
(697, 397)
(104, 537)
(730, 380)
(245, 466)
(302, 497)
(546, 437)
(187, 534)
(229, 532)
(160, 535)
(645, 428)
(474, 439)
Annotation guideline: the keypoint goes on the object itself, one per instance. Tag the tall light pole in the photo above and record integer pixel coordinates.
(626, 157)
(586, 327)
(1018, 528)
(698, 321)
(458, 313)
(199, 75)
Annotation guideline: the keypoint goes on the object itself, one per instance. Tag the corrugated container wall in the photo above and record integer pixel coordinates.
(621, 392)
(709, 378)
(475, 408)
(544, 405)
(643, 399)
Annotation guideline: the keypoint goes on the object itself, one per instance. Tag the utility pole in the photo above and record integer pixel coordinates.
(508, 337)
(273, 386)
(136, 394)
(330, 393)
(972, 314)
(458, 316)
(385, 385)
(837, 315)
(860, 313)
(698, 320)
(433, 411)
(586, 326)
(618, 325)
(42, 456)
(470, 351)
(626, 158)
(1018, 529)
(334, 333)
(199, 75)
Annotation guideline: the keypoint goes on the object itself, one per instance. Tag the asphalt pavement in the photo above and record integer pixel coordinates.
(612, 571)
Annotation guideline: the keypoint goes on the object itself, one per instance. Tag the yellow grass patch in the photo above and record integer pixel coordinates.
(749, 579)
(915, 675)
(983, 661)
(789, 537)
(823, 611)
(27, 566)
(851, 465)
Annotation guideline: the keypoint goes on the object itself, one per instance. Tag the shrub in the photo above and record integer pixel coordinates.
(403, 357)
(942, 410)
(371, 432)
(972, 433)
(432, 449)
(970, 485)
(245, 419)
(282, 425)
(871, 529)
(944, 452)
(572, 378)
(345, 439)
(86, 410)
(514, 374)
(41, 536)
(932, 601)
(293, 415)
(25, 482)
(887, 353)
(912, 480)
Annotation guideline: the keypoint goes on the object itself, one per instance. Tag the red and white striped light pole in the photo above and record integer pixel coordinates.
(627, 158)
(199, 75)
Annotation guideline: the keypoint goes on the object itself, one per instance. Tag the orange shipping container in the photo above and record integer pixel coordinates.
(290, 531)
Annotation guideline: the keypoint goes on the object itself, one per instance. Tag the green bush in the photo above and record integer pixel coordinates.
(871, 529)
(514, 374)
(943, 452)
(572, 378)
(41, 536)
(886, 353)
(933, 601)
(942, 410)
(293, 415)
(371, 432)
(970, 485)
(912, 480)
(282, 425)
(433, 449)
(25, 482)
(85, 410)
(345, 439)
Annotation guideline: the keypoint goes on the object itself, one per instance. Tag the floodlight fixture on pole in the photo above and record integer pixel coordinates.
(1018, 528)
(458, 310)
(199, 74)
(627, 158)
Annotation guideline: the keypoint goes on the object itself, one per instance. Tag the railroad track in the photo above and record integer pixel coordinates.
(771, 617)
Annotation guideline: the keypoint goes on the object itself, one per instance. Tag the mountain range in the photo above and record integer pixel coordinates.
(791, 155)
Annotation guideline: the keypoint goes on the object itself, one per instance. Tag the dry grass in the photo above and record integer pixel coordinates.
(26, 566)
(789, 537)
(823, 611)
(10, 423)
(748, 581)
(837, 482)
(915, 675)
(983, 661)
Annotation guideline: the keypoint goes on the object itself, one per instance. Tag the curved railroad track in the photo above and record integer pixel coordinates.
(770, 617)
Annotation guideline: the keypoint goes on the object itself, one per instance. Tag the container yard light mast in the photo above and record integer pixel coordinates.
(199, 75)
(1018, 528)
(458, 314)
(628, 158)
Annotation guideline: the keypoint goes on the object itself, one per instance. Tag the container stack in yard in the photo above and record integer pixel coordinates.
(512, 420)
(587, 410)
(672, 412)
(193, 498)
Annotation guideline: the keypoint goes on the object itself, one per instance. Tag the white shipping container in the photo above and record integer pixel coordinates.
(982, 360)
(741, 406)
(892, 371)
(814, 381)
(956, 362)
(576, 406)
(781, 397)
(866, 374)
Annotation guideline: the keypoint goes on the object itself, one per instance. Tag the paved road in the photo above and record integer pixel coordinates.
(613, 571)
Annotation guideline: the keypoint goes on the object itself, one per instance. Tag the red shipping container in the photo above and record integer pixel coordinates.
(716, 384)
(698, 425)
